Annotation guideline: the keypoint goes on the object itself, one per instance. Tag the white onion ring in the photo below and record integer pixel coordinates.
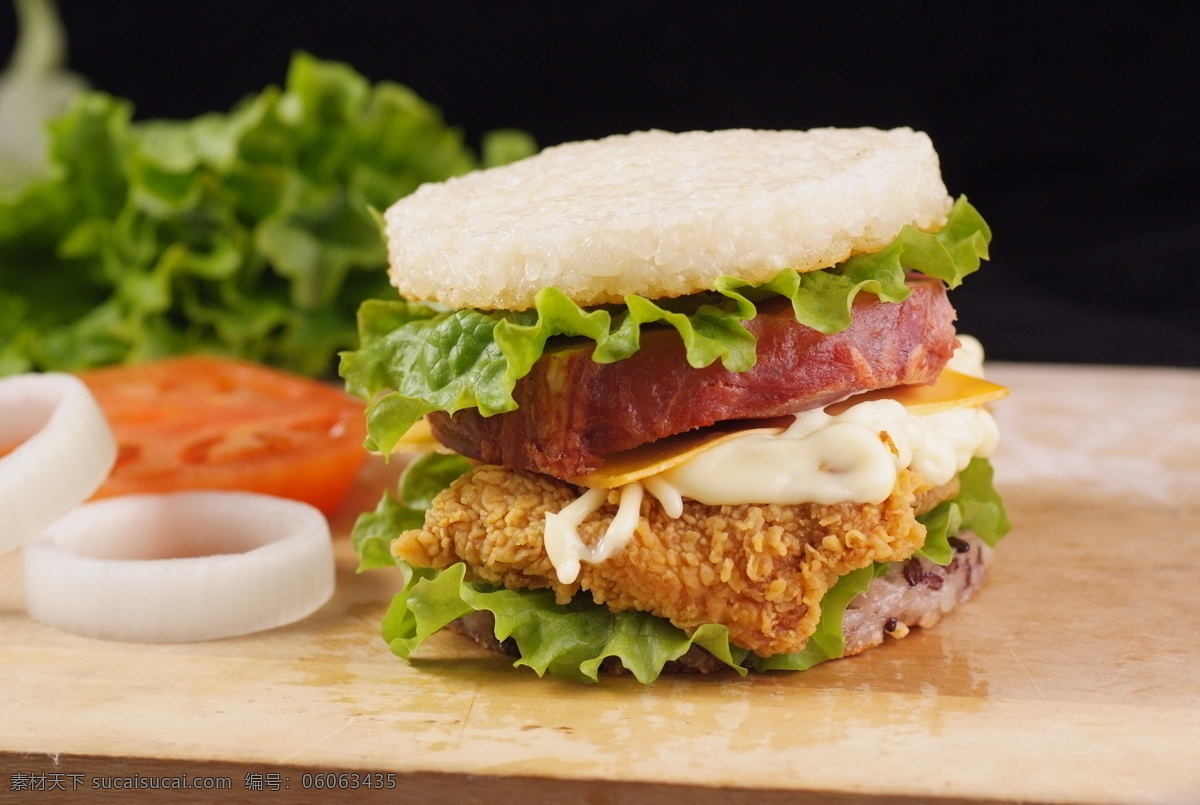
(180, 567)
(66, 451)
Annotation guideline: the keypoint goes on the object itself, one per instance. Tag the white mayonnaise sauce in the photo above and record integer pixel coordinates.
(968, 358)
(853, 456)
(563, 545)
(833, 459)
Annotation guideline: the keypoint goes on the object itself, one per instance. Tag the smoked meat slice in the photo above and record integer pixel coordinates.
(573, 411)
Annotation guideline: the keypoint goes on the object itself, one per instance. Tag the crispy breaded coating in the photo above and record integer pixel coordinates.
(761, 570)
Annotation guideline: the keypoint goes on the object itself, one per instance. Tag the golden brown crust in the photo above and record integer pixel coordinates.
(761, 570)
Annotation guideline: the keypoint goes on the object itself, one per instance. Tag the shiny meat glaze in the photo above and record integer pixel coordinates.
(573, 411)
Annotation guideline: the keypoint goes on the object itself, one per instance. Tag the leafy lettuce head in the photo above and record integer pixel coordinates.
(249, 233)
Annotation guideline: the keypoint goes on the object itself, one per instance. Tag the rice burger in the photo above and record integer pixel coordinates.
(705, 399)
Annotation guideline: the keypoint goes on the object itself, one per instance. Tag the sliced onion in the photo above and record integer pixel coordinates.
(64, 451)
(180, 567)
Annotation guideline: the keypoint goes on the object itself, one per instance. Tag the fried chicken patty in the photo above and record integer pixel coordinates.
(761, 570)
(915, 593)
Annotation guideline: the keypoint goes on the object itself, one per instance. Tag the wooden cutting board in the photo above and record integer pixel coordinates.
(1073, 677)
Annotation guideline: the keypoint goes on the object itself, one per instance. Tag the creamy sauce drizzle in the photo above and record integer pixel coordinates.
(834, 459)
(849, 457)
(563, 544)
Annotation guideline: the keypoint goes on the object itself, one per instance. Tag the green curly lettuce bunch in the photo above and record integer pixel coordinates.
(249, 234)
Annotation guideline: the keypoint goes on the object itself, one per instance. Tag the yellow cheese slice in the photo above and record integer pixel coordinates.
(952, 390)
(418, 438)
(648, 459)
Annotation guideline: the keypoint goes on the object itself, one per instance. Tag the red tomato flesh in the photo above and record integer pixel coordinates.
(200, 422)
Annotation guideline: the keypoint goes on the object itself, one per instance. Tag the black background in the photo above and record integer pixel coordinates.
(1074, 128)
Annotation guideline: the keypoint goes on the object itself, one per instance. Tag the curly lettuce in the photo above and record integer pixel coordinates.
(572, 641)
(420, 482)
(414, 359)
(250, 233)
(977, 508)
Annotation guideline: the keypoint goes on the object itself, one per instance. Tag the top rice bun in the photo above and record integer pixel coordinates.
(661, 214)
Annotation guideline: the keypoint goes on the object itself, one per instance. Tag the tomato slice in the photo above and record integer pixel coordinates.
(200, 422)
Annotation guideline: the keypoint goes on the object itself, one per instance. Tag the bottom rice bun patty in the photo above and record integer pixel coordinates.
(712, 403)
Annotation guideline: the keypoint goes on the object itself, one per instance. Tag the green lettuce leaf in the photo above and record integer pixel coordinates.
(569, 641)
(248, 233)
(420, 482)
(827, 641)
(977, 508)
(414, 359)
(572, 641)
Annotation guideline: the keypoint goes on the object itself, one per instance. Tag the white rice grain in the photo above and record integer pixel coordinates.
(661, 214)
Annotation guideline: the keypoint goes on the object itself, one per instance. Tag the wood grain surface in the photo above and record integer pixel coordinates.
(1073, 677)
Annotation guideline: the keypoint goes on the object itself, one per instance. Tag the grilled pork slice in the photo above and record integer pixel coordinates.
(573, 411)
